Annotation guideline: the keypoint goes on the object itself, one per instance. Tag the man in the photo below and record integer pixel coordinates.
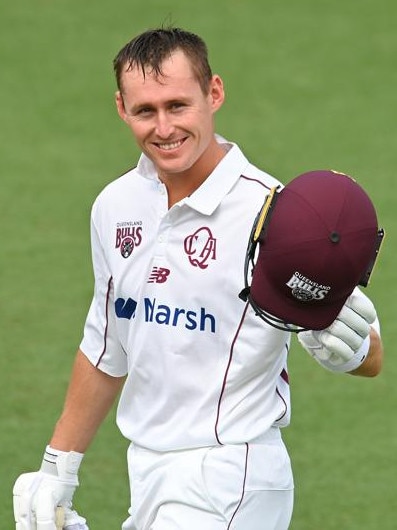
(204, 380)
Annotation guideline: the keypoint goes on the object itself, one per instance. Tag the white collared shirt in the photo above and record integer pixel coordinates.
(202, 368)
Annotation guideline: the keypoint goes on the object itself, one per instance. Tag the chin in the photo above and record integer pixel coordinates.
(174, 169)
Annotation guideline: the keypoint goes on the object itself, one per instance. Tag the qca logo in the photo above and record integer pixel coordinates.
(128, 236)
(200, 247)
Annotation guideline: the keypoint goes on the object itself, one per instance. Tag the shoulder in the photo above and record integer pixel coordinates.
(250, 174)
(133, 185)
(119, 184)
(130, 186)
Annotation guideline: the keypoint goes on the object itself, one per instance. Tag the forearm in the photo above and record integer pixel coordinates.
(91, 394)
(373, 362)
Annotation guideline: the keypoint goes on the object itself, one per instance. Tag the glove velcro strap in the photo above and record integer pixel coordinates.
(61, 463)
(353, 363)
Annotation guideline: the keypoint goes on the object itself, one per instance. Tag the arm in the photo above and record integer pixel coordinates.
(90, 396)
(40, 495)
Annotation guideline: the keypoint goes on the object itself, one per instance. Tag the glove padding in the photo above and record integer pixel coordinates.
(344, 345)
(37, 495)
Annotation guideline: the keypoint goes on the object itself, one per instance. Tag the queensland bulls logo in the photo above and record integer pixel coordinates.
(128, 236)
(200, 247)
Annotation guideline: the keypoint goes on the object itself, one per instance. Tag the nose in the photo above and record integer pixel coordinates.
(164, 125)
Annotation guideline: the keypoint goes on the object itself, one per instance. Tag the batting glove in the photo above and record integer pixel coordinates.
(37, 495)
(344, 345)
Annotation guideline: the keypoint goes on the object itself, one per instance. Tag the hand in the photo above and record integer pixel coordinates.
(37, 495)
(344, 345)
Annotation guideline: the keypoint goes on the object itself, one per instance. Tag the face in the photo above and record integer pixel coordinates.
(170, 116)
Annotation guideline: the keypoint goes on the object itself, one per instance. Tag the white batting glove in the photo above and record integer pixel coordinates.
(344, 345)
(37, 495)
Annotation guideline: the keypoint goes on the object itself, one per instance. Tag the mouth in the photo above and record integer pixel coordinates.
(169, 146)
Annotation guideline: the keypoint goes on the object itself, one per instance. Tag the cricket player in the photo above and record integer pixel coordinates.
(204, 381)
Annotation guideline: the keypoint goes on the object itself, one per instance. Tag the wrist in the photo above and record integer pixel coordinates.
(61, 463)
(354, 362)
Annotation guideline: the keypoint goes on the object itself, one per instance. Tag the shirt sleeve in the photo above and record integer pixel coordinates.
(100, 341)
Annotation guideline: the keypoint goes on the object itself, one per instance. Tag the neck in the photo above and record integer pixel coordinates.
(181, 185)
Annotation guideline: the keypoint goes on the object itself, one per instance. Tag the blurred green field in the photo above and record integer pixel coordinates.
(310, 84)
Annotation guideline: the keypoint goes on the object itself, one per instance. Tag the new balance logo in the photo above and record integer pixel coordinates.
(159, 275)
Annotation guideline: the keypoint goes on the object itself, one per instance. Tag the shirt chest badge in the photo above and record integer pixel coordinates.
(128, 236)
(200, 247)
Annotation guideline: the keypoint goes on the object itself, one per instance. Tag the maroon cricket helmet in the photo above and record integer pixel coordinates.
(319, 240)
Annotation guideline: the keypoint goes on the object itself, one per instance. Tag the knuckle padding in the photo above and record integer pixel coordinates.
(351, 320)
(336, 345)
(308, 339)
(362, 306)
(344, 333)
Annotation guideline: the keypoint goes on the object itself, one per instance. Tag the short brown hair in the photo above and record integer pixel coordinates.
(148, 51)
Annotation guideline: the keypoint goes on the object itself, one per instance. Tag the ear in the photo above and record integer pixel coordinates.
(216, 92)
(120, 106)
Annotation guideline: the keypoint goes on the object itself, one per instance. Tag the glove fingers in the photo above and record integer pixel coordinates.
(74, 521)
(345, 333)
(23, 491)
(355, 321)
(343, 346)
(23, 514)
(337, 346)
(309, 339)
(362, 305)
(46, 506)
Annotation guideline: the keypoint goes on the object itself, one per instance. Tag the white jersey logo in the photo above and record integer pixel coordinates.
(200, 247)
(159, 275)
(128, 236)
(165, 315)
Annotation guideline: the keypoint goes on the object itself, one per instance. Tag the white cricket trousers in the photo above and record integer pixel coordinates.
(230, 487)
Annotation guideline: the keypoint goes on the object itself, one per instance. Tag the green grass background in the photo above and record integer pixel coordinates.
(310, 84)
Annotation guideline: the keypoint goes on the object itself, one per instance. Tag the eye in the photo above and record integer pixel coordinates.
(177, 106)
(144, 111)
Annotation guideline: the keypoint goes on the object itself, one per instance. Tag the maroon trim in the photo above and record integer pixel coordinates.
(107, 322)
(243, 488)
(285, 406)
(256, 180)
(226, 374)
(284, 375)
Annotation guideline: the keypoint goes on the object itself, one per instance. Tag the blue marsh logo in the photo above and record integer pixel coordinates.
(165, 315)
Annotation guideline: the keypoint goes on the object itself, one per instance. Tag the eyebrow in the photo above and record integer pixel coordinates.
(135, 108)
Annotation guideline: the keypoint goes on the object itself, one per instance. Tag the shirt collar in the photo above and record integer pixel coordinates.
(211, 192)
(218, 184)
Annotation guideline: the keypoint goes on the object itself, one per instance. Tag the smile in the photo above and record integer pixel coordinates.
(170, 145)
